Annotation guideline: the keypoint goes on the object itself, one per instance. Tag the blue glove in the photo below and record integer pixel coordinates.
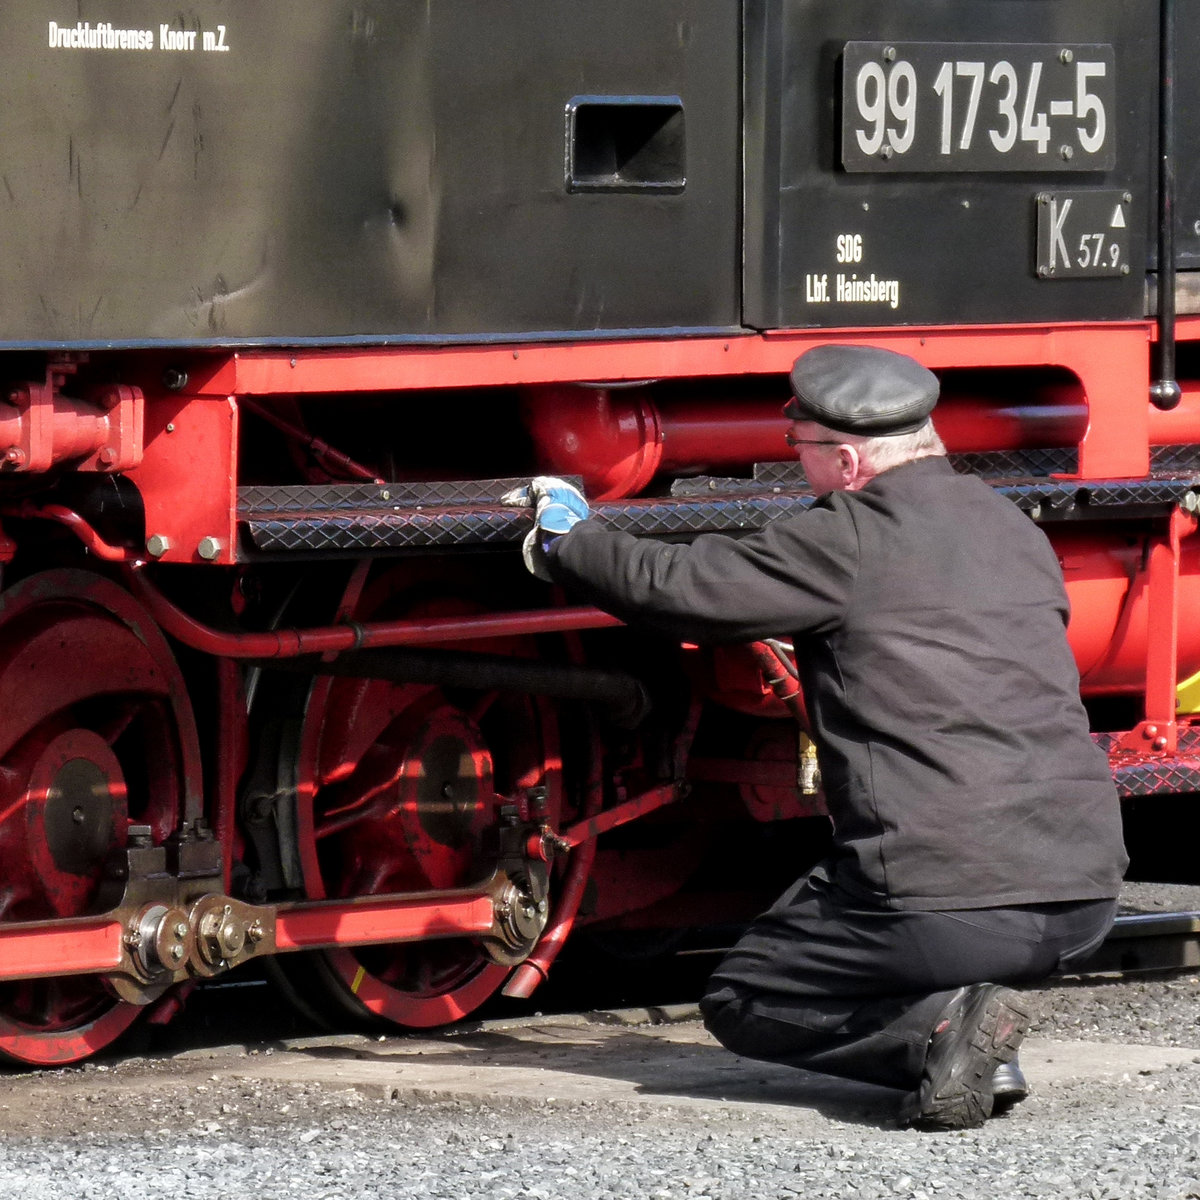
(557, 506)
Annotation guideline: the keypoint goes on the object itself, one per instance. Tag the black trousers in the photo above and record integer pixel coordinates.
(828, 983)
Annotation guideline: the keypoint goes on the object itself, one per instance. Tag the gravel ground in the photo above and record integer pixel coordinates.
(214, 1123)
(141, 1128)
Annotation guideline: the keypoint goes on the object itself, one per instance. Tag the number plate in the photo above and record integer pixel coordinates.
(1082, 235)
(925, 106)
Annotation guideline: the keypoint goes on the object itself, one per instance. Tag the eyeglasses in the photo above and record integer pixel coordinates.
(795, 441)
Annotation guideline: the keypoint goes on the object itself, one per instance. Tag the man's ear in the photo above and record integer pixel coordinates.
(848, 464)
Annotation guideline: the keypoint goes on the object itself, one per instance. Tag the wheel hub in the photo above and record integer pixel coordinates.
(76, 815)
(444, 794)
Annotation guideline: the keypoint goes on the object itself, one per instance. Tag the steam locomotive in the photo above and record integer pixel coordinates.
(292, 294)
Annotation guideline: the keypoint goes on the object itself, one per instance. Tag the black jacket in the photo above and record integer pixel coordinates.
(929, 619)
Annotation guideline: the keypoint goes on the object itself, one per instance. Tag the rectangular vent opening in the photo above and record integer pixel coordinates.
(625, 144)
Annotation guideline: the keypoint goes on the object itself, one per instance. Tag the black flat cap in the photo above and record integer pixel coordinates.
(861, 389)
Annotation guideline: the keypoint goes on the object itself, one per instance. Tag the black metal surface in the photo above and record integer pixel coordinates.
(466, 170)
(366, 172)
(917, 247)
(354, 517)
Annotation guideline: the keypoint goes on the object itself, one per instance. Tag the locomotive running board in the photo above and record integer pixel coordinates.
(361, 517)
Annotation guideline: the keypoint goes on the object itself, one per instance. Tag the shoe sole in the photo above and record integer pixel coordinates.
(961, 1098)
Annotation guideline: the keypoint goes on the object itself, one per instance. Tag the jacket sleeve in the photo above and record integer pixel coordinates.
(794, 576)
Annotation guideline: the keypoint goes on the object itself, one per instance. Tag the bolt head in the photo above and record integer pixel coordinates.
(209, 548)
(157, 544)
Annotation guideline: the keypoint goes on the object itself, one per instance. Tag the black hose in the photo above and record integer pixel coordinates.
(622, 697)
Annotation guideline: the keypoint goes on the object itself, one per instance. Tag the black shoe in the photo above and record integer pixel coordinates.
(979, 1030)
(1008, 1087)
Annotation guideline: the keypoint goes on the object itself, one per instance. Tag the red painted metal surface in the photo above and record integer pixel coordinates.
(567, 896)
(1109, 360)
(33, 951)
(40, 427)
(620, 814)
(188, 478)
(366, 923)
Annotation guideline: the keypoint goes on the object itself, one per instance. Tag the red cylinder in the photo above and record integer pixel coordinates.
(619, 439)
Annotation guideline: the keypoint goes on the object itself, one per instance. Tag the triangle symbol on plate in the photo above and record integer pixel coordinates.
(1118, 219)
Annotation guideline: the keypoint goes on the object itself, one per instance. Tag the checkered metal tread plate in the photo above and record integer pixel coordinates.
(1146, 777)
(1155, 774)
(1178, 460)
(362, 517)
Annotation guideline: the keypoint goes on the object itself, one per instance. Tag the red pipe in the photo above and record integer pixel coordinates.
(333, 639)
(73, 521)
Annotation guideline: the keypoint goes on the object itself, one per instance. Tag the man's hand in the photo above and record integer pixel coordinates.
(557, 506)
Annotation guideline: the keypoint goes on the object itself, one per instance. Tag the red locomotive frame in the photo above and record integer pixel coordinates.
(274, 685)
(169, 915)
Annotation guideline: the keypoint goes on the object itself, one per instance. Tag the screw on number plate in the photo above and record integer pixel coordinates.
(1066, 57)
(889, 54)
(1066, 153)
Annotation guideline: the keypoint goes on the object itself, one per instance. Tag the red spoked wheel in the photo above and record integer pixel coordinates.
(397, 785)
(96, 735)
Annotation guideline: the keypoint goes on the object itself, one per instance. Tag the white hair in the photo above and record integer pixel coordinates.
(877, 454)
